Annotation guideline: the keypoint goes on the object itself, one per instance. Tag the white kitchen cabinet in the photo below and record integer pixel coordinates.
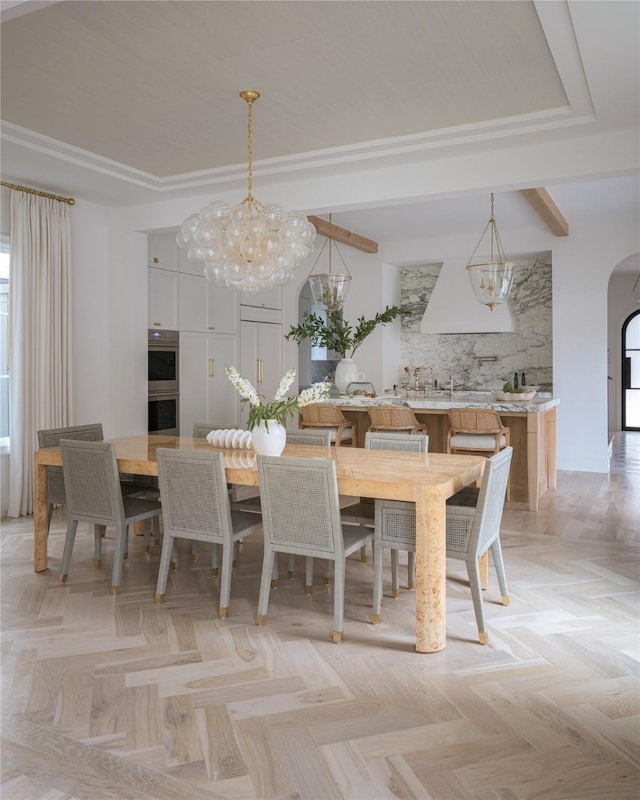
(162, 250)
(261, 357)
(206, 393)
(184, 265)
(163, 299)
(270, 299)
(207, 306)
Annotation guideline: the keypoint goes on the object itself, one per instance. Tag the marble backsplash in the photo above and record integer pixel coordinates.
(487, 360)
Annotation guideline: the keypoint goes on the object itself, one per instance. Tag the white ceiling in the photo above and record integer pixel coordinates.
(125, 102)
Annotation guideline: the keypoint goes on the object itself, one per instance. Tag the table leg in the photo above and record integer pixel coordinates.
(40, 518)
(431, 612)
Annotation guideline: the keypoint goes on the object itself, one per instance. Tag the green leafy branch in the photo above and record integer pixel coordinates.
(339, 335)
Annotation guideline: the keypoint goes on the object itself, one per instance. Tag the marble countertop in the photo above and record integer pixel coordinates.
(444, 400)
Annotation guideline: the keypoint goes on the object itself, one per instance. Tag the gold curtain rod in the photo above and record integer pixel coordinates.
(57, 197)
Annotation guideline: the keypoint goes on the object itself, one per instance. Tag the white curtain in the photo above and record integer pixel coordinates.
(40, 334)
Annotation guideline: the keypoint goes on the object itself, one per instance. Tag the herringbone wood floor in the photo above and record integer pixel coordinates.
(108, 697)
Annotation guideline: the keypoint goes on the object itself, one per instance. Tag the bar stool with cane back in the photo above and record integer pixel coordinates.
(477, 431)
(327, 417)
(394, 418)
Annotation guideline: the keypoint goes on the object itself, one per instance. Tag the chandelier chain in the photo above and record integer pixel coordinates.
(495, 240)
(250, 150)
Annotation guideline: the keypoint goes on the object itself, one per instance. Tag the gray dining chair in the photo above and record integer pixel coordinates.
(94, 495)
(249, 504)
(201, 429)
(92, 432)
(252, 504)
(472, 527)
(195, 506)
(301, 516)
(317, 438)
(363, 512)
(50, 437)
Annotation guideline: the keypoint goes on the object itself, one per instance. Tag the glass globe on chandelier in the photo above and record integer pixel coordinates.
(250, 247)
(491, 280)
(329, 289)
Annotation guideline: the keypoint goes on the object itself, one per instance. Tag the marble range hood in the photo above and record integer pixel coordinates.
(453, 308)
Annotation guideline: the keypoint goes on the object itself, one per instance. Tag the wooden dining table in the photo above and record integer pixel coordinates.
(427, 479)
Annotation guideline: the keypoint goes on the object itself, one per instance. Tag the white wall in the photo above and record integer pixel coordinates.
(582, 265)
(91, 308)
(109, 321)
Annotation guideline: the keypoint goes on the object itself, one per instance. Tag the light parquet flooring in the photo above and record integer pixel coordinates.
(107, 697)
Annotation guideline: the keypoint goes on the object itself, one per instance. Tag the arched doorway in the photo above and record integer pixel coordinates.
(631, 373)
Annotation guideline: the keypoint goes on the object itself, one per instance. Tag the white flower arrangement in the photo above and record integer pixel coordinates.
(281, 406)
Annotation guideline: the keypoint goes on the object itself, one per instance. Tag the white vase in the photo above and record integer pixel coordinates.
(346, 373)
(271, 441)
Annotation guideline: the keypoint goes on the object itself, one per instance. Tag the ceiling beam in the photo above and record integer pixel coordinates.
(342, 235)
(548, 211)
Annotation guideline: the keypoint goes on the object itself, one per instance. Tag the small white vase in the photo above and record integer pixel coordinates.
(269, 442)
(346, 373)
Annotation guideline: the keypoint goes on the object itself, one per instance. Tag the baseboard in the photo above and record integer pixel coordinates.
(584, 464)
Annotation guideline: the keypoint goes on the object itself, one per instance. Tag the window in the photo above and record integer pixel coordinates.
(631, 373)
(4, 338)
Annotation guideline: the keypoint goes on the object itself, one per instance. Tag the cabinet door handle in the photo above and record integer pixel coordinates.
(212, 368)
(260, 371)
(156, 260)
(157, 324)
(212, 327)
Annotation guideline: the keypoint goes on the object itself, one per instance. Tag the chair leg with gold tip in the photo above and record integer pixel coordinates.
(94, 494)
(196, 507)
(301, 515)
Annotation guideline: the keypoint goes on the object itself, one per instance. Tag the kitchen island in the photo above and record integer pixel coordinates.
(532, 426)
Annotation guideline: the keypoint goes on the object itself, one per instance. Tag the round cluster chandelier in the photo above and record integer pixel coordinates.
(250, 247)
(491, 280)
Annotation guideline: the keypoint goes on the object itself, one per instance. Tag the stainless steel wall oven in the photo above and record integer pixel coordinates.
(163, 362)
(163, 378)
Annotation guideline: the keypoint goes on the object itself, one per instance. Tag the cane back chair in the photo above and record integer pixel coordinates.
(330, 418)
(477, 431)
(472, 527)
(301, 515)
(94, 495)
(195, 506)
(394, 418)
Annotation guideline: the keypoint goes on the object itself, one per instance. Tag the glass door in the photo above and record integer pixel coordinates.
(631, 373)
